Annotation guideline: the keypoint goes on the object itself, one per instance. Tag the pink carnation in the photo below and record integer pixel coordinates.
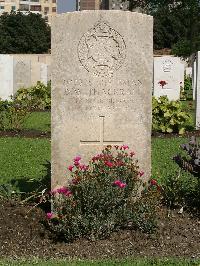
(77, 160)
(119, 184)
(65, 191)
(109, 164)
(83, 167)
(122, 185)
(124, 147)
(153, 182)
(49, 215)
(70, 168)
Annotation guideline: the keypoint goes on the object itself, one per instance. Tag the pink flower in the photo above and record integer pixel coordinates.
(141, 173)
(77, 160)
(119, 184)
(132, 153)
(109, 164)
(83, 167)
(65, 191)
(122, 185)
(124, 147)
(70, 168)
(153, 182)
(49, 215)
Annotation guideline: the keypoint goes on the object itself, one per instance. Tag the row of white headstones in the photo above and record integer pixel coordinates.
(169, 75)
(17, 71)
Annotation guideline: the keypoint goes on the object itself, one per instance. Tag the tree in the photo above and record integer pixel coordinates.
(176, 23)
(21, 33)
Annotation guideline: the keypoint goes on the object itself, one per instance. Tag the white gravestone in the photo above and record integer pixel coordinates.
(22, 74)
(6, 77)
(167, 69)
(182, 75)
(194, 78)
(188, 72)
(101, 86)
(44, 73)
(197, 96)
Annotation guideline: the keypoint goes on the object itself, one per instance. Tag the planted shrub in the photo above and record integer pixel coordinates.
(103, 197)
(36, 97)
(181, 190)
(190, 163)
(12, 115)
(169, 116)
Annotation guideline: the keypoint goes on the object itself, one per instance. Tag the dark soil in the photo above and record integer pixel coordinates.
(26, 134)
(40, 134)
(22, 234)
(187, 134)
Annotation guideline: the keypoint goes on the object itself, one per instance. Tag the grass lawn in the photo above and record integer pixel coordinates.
(136, 262)
(38, 121)
(23, 159)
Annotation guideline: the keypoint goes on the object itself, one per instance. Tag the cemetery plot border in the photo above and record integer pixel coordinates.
(25, 134)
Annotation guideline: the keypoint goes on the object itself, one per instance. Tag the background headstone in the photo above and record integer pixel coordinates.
(167, 68)
(6, 77)
(194, 78)
(22, 74)
(45, 74)
(182, 75)
(197, 97)
(101, 86)
(188, 72)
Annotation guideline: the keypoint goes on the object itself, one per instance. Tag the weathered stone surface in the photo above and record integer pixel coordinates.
(167, 68)
(22, 74)
(197, 95)
(45, 73)
(101, 86)
(6, 77)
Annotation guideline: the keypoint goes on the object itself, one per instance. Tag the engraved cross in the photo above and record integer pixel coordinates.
(101, 142)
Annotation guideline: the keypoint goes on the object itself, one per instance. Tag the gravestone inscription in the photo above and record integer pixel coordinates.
(101, 86)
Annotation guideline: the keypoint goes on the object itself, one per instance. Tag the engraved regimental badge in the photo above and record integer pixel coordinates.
(102, 50)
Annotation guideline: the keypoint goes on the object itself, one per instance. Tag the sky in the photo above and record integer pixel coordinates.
(66, 5)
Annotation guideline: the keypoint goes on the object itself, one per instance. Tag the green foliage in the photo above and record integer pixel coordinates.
(181, 191)
(12, 115)
(21, 33)
(181, 48)
(190, 163)
(177, 26)
(103, 197)
(168, 116)
(36, 97)
(186, 91)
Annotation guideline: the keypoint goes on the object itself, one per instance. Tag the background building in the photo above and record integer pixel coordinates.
(47, 8)
(102, 4)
